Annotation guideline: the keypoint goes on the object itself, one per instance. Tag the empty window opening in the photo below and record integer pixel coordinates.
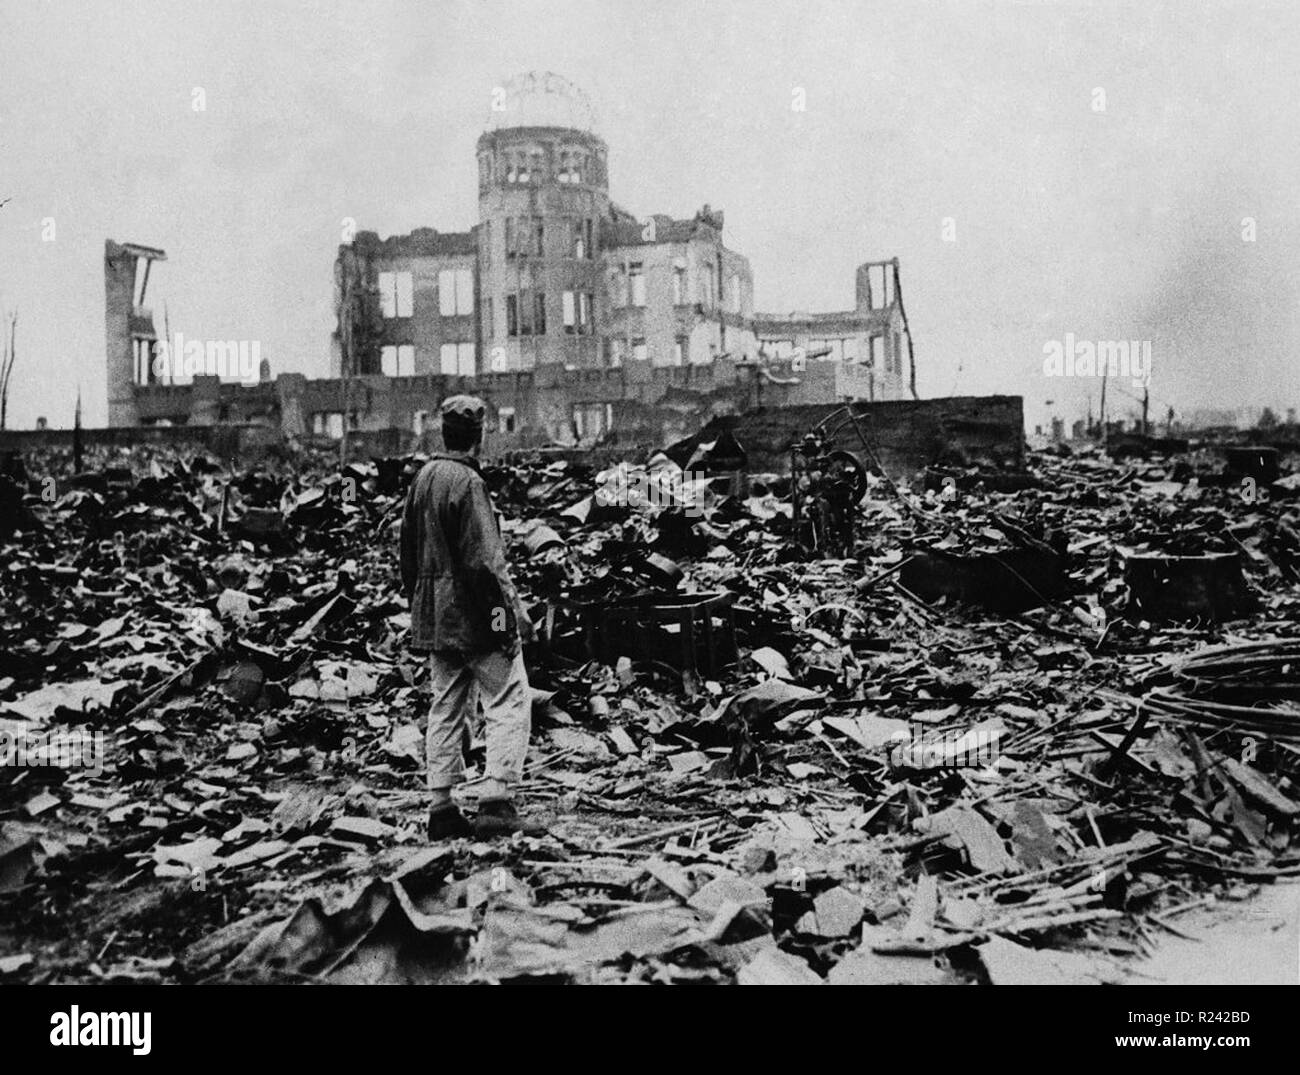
(581, 247)
(457, 359)
(455, 292)
(577, 312)
(526, 314)
(398, 360)
(877, 352)
(395, 294)
(876, 286)
(591, 421)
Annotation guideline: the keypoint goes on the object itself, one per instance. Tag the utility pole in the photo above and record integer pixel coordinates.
(167, 328)
(10, 355)
(76, 435)
(1104, 374)
(1146, 406)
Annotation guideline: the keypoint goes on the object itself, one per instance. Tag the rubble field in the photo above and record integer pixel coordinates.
(1011, 730)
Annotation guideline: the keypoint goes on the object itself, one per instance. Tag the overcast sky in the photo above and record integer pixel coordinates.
(1117, 224)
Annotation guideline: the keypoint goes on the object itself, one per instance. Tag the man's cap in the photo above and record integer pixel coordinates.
(464, 410)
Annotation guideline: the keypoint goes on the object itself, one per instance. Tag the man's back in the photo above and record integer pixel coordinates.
(453, 562)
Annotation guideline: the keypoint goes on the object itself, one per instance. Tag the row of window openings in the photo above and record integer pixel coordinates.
(420, 422)
(843, 350)
(526, 313)
(460, 359)
(617, 349)
(590, 420)
(530, 167)
(455, 293)
(629, 287)
(456, 286)
(330, 423)
(526, 237)
(454, 360)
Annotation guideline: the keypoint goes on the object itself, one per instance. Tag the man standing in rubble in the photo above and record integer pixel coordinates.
(466, 615)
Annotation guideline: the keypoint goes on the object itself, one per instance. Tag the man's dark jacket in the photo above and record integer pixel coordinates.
(454, 563)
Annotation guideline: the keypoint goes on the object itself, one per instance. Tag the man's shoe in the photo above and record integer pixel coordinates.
(448, 823)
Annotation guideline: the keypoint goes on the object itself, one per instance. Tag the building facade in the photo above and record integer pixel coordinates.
(558, 287)
(130, 335)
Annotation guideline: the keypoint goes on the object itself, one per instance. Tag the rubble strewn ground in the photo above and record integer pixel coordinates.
(885, 785)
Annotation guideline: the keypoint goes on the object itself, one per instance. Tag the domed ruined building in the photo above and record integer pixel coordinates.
(577, 320)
